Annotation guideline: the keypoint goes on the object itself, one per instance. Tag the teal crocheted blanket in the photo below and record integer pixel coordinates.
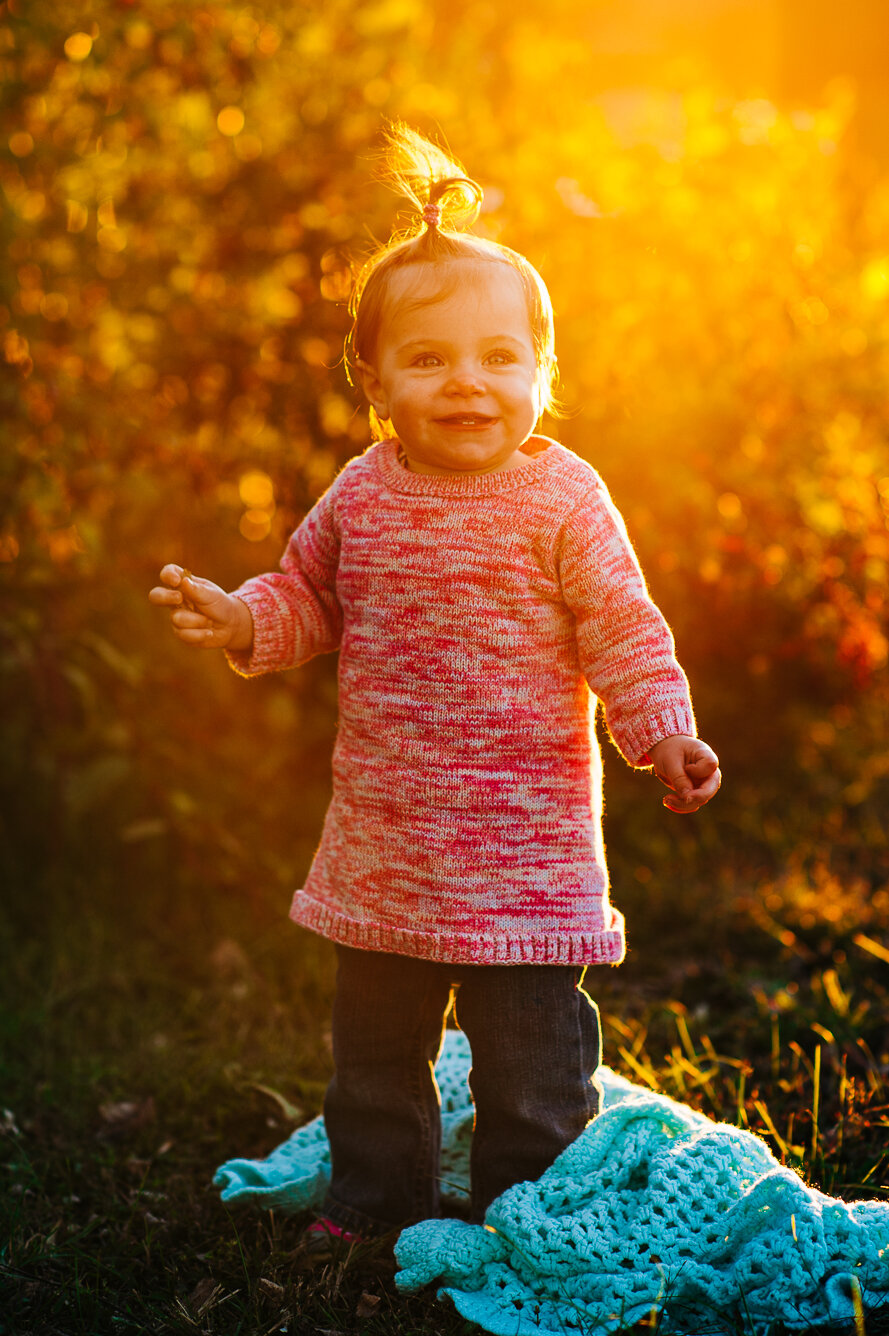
(653, 1209)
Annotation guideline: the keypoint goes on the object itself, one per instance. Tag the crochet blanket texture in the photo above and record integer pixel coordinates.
(655, 1208)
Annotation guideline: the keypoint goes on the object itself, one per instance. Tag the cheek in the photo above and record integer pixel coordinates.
(533, 396)
(542, 389)
(407, 400)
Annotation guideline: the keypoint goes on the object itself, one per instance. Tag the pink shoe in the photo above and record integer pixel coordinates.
(323, 1237)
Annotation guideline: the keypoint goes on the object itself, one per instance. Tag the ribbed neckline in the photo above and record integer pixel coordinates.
(400, 479)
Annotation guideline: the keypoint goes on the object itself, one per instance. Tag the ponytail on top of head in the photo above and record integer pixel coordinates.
(445, 203)
(444, 197)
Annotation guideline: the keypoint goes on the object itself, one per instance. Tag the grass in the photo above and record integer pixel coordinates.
(141, 1048)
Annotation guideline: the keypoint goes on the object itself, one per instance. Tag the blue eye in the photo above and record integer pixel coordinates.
(427, 360)
(500, 357)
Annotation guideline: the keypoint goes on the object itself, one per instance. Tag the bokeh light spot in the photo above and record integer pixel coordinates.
(268, 40)
(20, 144)
(31, 205)
(255, 525)
(314, 215)
(230, 121)
(139, 35)
(54, 306)
(729, 506)
(282, 304)
(875, 279)
(335, 413)
(78, 46)
(753, 447)
(111, 239)
(315, 352)
(256, 490)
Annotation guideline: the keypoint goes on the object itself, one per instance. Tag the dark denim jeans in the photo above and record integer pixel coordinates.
(536, 1045)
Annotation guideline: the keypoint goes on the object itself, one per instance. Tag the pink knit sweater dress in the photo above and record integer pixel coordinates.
(474, 616)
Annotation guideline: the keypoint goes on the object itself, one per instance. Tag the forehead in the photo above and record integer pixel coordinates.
(423, 294)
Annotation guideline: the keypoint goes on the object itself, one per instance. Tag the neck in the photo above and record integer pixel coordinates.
(515, 461)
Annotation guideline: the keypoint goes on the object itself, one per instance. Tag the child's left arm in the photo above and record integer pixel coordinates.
(627, 655)
(690, 768)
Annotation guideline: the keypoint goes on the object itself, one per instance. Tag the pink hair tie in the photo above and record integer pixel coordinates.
(432, 215)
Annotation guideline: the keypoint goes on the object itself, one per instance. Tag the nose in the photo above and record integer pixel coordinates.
(465, 382)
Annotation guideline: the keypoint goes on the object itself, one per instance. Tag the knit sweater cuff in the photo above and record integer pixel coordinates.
(635, 741)
(272, 648)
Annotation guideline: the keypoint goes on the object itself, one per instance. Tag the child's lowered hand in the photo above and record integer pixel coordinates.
(690, 768)
(202, 614)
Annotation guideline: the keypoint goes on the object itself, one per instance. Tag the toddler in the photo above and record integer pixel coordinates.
(478, 583)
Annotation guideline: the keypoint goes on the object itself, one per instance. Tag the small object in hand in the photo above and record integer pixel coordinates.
(186, 602)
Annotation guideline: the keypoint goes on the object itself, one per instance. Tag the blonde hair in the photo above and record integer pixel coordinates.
(445, 203)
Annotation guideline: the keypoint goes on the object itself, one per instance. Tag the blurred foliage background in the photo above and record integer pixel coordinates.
(184, 188)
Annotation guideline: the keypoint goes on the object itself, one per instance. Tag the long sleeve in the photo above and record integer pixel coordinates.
(296, 613)
(624, 644)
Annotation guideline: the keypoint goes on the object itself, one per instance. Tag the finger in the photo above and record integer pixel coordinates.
(710, 787)
(164, 597)
(198, 591)
(704, 763)
(197, 638)
(681, 802)
(685, 805)
(675, 779)
(172, 575)
(186, 619)
(686, 776)
(695, 798)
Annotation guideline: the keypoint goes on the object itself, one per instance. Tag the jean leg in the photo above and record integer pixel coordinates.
(536, 1045)
(382, 1108)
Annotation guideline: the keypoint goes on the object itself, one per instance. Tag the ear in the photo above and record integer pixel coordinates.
(547, 380)
(373, 389)
(539, 397)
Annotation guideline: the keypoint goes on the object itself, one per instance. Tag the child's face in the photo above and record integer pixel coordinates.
(455, 369)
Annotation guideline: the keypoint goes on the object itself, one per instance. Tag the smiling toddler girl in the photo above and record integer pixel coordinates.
(480, 587)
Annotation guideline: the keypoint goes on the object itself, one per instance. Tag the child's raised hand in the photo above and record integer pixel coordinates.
(203, 615)
(690, 768)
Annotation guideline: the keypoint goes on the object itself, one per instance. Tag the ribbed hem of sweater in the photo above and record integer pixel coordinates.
(605, 947)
